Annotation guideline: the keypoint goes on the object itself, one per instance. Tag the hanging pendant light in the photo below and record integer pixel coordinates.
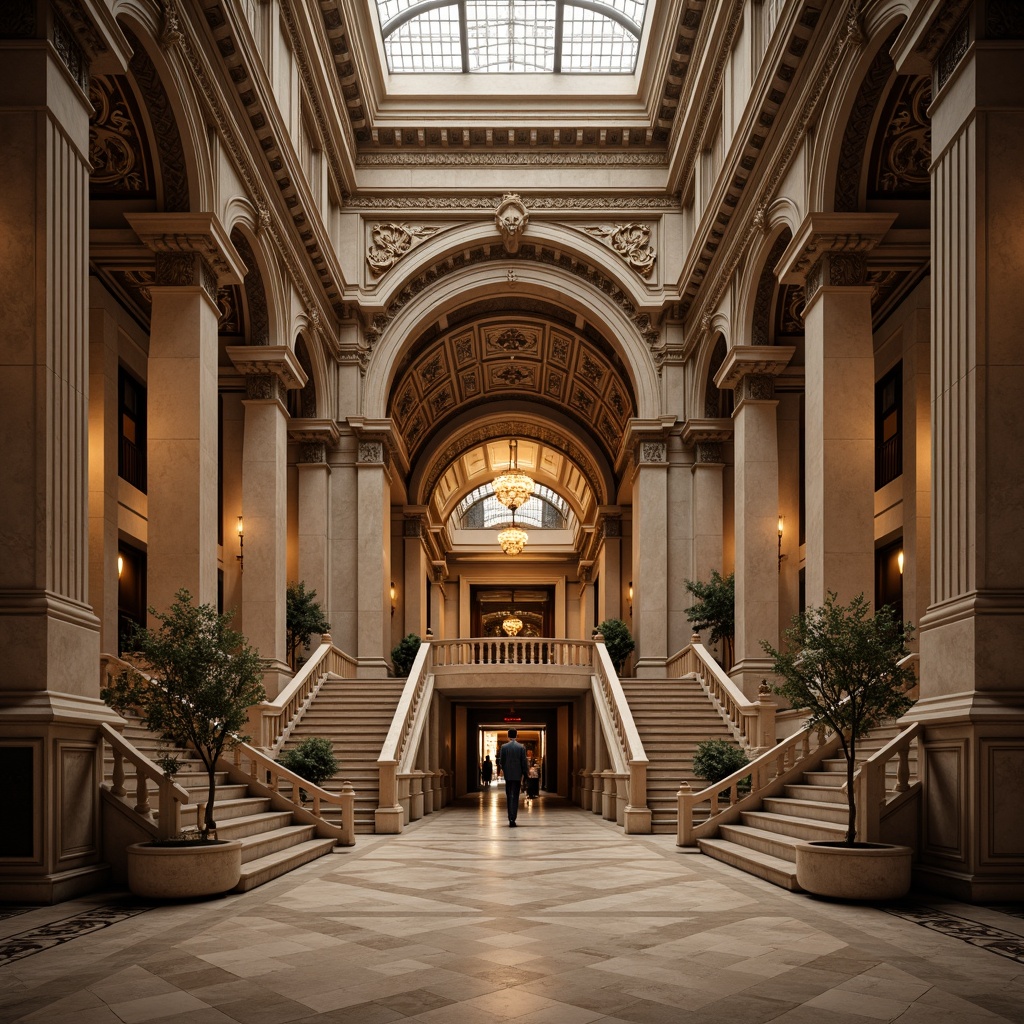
(512, 624)
(513, 539)
(513, 487)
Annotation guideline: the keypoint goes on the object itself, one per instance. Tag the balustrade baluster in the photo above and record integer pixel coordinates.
(117, 787)
(141, 793)
(903, 769)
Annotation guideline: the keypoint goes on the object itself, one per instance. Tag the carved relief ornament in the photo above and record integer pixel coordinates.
(511, 219)
(630, 241)
(390, 242)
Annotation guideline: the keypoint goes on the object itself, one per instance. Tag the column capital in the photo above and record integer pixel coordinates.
(191, 234)
(743, 361)
(269, 360)
(834, 235)
(378, 441)
(314, 431)
(706, 431)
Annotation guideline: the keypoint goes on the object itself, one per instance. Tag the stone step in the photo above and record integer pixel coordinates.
(819, 811)
(262, 844)
(264, 869)
(253, 824)
(224, 810)
(801, 828)
(762, 865)
(776, 844)
(817, 794)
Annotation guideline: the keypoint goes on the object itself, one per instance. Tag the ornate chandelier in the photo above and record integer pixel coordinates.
(513, 539)
(512, 488)
(512, 624)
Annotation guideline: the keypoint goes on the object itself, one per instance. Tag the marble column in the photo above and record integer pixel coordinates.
(50, 712)
(828, 255)
(438, 619)
(972, 699)
(650, 571)
(412, 601)
(373, 545)
(611, 589)
(749, 370)
(587, 610)
(269, 370)
(193, 255)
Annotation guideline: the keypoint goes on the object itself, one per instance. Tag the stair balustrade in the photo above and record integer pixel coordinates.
(752, 723)
(280, 715)
(265, 776)
(166, 824)
(512, 651)
(768, 773)
(870, 784)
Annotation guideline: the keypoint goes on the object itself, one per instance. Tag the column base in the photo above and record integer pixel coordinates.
(57, 887)
(373, 668)
(389, 821)
(748, 673)
(650, 668)
(637, 821)
(969, 888)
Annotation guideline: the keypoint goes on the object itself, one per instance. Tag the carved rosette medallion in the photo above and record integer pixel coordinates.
(629, 241)
(390, 242)
(511, 219)
(371, 452)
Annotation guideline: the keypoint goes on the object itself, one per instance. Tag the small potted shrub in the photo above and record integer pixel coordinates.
(715, 760)
(403, 654)
(715, 610)
(303, 619)
(843, 665)
(618, 641)
(313, 759)
(206, 679)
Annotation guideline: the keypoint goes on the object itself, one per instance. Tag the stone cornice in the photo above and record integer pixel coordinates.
(743, 360)
(924, 33)
(200, 233)
(459, 204)
(822, 233)
(701, 431)
(314, 430)
(276, 360)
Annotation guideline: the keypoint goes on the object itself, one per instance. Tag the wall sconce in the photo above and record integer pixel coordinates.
(120, 565)
(392, 598)
(781, 555)
(631, 599)
(240, 556)
(899, 561)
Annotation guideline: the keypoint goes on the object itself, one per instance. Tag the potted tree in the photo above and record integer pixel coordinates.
(715, 610)
(313, 759)
(403, 654)
(843, 665)
(206, 677)
(618, 641)
(303, 618)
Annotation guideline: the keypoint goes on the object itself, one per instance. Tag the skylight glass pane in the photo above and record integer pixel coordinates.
(428, 42)
(593, 43)
(387, 9)
(632, 9)
(511, 35)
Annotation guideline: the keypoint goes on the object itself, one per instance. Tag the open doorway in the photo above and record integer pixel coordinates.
(532, 736)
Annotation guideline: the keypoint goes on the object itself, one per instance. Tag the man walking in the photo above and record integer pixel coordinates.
(512, 764)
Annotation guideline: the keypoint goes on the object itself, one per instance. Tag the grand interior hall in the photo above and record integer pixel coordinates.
(492, 323)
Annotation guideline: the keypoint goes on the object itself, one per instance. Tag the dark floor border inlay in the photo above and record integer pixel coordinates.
(984, 936)
(35, 940)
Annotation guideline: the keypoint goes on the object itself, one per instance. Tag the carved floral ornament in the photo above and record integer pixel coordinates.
(630, 241)
(389, 242)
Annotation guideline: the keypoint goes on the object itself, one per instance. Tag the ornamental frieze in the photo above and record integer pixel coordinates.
(629, 241)
(390, 242)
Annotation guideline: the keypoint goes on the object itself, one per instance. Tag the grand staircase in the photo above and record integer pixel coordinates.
(355, 715)
(672, 717)
(272, 843)
(814, 808)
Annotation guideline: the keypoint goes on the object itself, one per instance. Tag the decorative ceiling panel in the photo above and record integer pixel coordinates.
(512, 358)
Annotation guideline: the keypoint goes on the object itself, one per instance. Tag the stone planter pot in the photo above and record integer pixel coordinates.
(184, 870)
(866, 871)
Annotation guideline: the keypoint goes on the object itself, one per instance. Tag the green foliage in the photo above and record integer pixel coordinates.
(403, 654)
(618, 641)
(207, 678)
(169, 765)
(715, 760)
(304, 618)
(313, 759)
(842, 664)
(715, 610)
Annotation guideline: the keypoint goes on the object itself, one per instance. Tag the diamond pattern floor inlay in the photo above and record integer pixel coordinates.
(461, 920)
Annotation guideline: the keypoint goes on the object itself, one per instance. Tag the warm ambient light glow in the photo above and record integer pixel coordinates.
(781, 555)
(392, 597)
(512, 539)
(899, 561)
(512, 488)
(512, 625)
(240, 557)
(120, 565)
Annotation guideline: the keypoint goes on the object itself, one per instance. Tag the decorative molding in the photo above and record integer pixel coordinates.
(629, 241)
(255, 293)
(707, 431)
(757, 387)
(952, 52)
(371, 452)
(709, 453)
(312, 452)
(170, 24)
(743, 361)
(487, 203)
(832, 234)
(118, 148)
(390, 242)
(313, 431)
(277, 361)
(412, 526)
(587, 158)
(900, 166)
(767, 289)
(511, 219)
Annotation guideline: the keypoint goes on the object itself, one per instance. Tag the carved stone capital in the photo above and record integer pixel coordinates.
(511, 219)
(756, 387)
(709, 453)
(412, 526)
(611, 527)
(652, 452)
(629, 241)
(275, 360)
(757, 360)
(261, 386)
(312, 452)
(831, 233)
(191, 233)
(371, 452)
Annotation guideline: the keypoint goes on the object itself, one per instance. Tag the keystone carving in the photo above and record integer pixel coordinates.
(511, 219)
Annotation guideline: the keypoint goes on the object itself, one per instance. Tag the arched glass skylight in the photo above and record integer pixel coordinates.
(481, 510)
(517, 36)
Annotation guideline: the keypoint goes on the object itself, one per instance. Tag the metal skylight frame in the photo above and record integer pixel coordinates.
(512, 36)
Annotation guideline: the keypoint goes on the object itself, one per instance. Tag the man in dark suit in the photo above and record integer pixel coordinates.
(512, 762)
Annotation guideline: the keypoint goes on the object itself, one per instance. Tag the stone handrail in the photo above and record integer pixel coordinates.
(280, 715)
(399, 745)
(244, 763)
(751, 722)
(512, 651)
(608, 692)
(768, 773)
(170, 796)
(869, 781)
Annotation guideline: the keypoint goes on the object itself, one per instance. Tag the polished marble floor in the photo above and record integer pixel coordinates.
(462, 920)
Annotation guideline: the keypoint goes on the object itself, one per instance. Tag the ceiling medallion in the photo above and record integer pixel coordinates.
(512, 488)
